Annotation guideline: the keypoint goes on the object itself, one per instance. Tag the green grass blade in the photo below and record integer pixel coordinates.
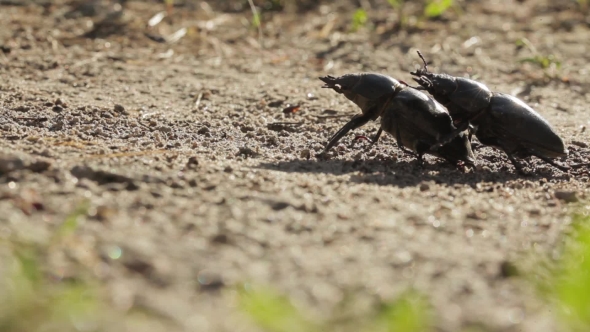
(409, 313)
(359, 19)
(273, 312)
(436, 8)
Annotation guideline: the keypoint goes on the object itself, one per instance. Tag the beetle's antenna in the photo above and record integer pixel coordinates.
(423, 60)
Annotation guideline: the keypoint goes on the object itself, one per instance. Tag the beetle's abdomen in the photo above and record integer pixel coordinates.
(524, 126)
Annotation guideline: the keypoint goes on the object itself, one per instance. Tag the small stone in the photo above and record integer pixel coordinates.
(192, 162)
(203, 131)
(119, 108)
(40, 166)
(10, 163)
(424, 186)
(210, 281)
(57, 109)
(58, 102)
(5, 49)
(305, 154)
(247, 152)
(567, 196)
(165, 129)
(535, 212)
(580, 144)
(275, 103)
(22, 109)
(228, 169)
(508, 269)
(220, 239)
(277, 206)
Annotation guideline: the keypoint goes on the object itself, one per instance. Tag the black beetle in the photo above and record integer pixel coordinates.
(499, 120)
(415, 120)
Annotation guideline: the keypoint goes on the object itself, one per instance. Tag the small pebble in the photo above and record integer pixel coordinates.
(566, 196)
(580, 144)
(192, 162)
(424, 186)
(305, 154)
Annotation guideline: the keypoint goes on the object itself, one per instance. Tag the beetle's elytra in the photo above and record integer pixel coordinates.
(415, 120)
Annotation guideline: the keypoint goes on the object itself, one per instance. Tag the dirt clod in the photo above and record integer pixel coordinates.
(9, 163)
(567, 196)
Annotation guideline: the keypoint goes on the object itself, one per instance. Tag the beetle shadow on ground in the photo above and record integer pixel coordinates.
(408, 173)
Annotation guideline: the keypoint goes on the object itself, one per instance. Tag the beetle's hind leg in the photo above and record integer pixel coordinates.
(563, 168)
(421, 148)
(517, 165)
(375, 139)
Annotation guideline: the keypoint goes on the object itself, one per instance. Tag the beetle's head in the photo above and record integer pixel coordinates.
(435, 84)
(342, 83)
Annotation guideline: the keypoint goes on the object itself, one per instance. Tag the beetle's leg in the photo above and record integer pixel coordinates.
(471, 130)
(375, 138)
(465, 124)
(421, 148)
(562, 168)
(413, 87)
(449, 137)
(576, 166)
(517, 165)
(420, 160)
(398, 137)
(355, 122)
(423, 81)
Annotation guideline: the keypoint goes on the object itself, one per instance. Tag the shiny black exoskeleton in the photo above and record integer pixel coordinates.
(415, 120)
(498, 119)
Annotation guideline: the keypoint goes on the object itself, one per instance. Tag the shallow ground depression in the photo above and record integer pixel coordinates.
(168, 166)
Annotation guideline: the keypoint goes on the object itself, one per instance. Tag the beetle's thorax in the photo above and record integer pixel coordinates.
(387, 100)
(442, 84)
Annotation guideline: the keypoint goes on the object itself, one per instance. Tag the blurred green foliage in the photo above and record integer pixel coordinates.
(359, 19)
(543, 61)
(436, 8)
(272, 312)
(396, 3)
(30, 302)
(565, 282)
(409, 313)
(72, 221)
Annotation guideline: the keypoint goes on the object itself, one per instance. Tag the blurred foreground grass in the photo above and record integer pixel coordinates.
(410, 312)
(565, 282)
(32, 300)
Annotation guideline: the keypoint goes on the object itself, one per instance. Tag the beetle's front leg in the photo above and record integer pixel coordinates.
(462, 126)
(562, 168)
(355, 122)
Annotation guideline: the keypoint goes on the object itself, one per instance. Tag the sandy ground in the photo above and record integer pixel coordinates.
(199, 176)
